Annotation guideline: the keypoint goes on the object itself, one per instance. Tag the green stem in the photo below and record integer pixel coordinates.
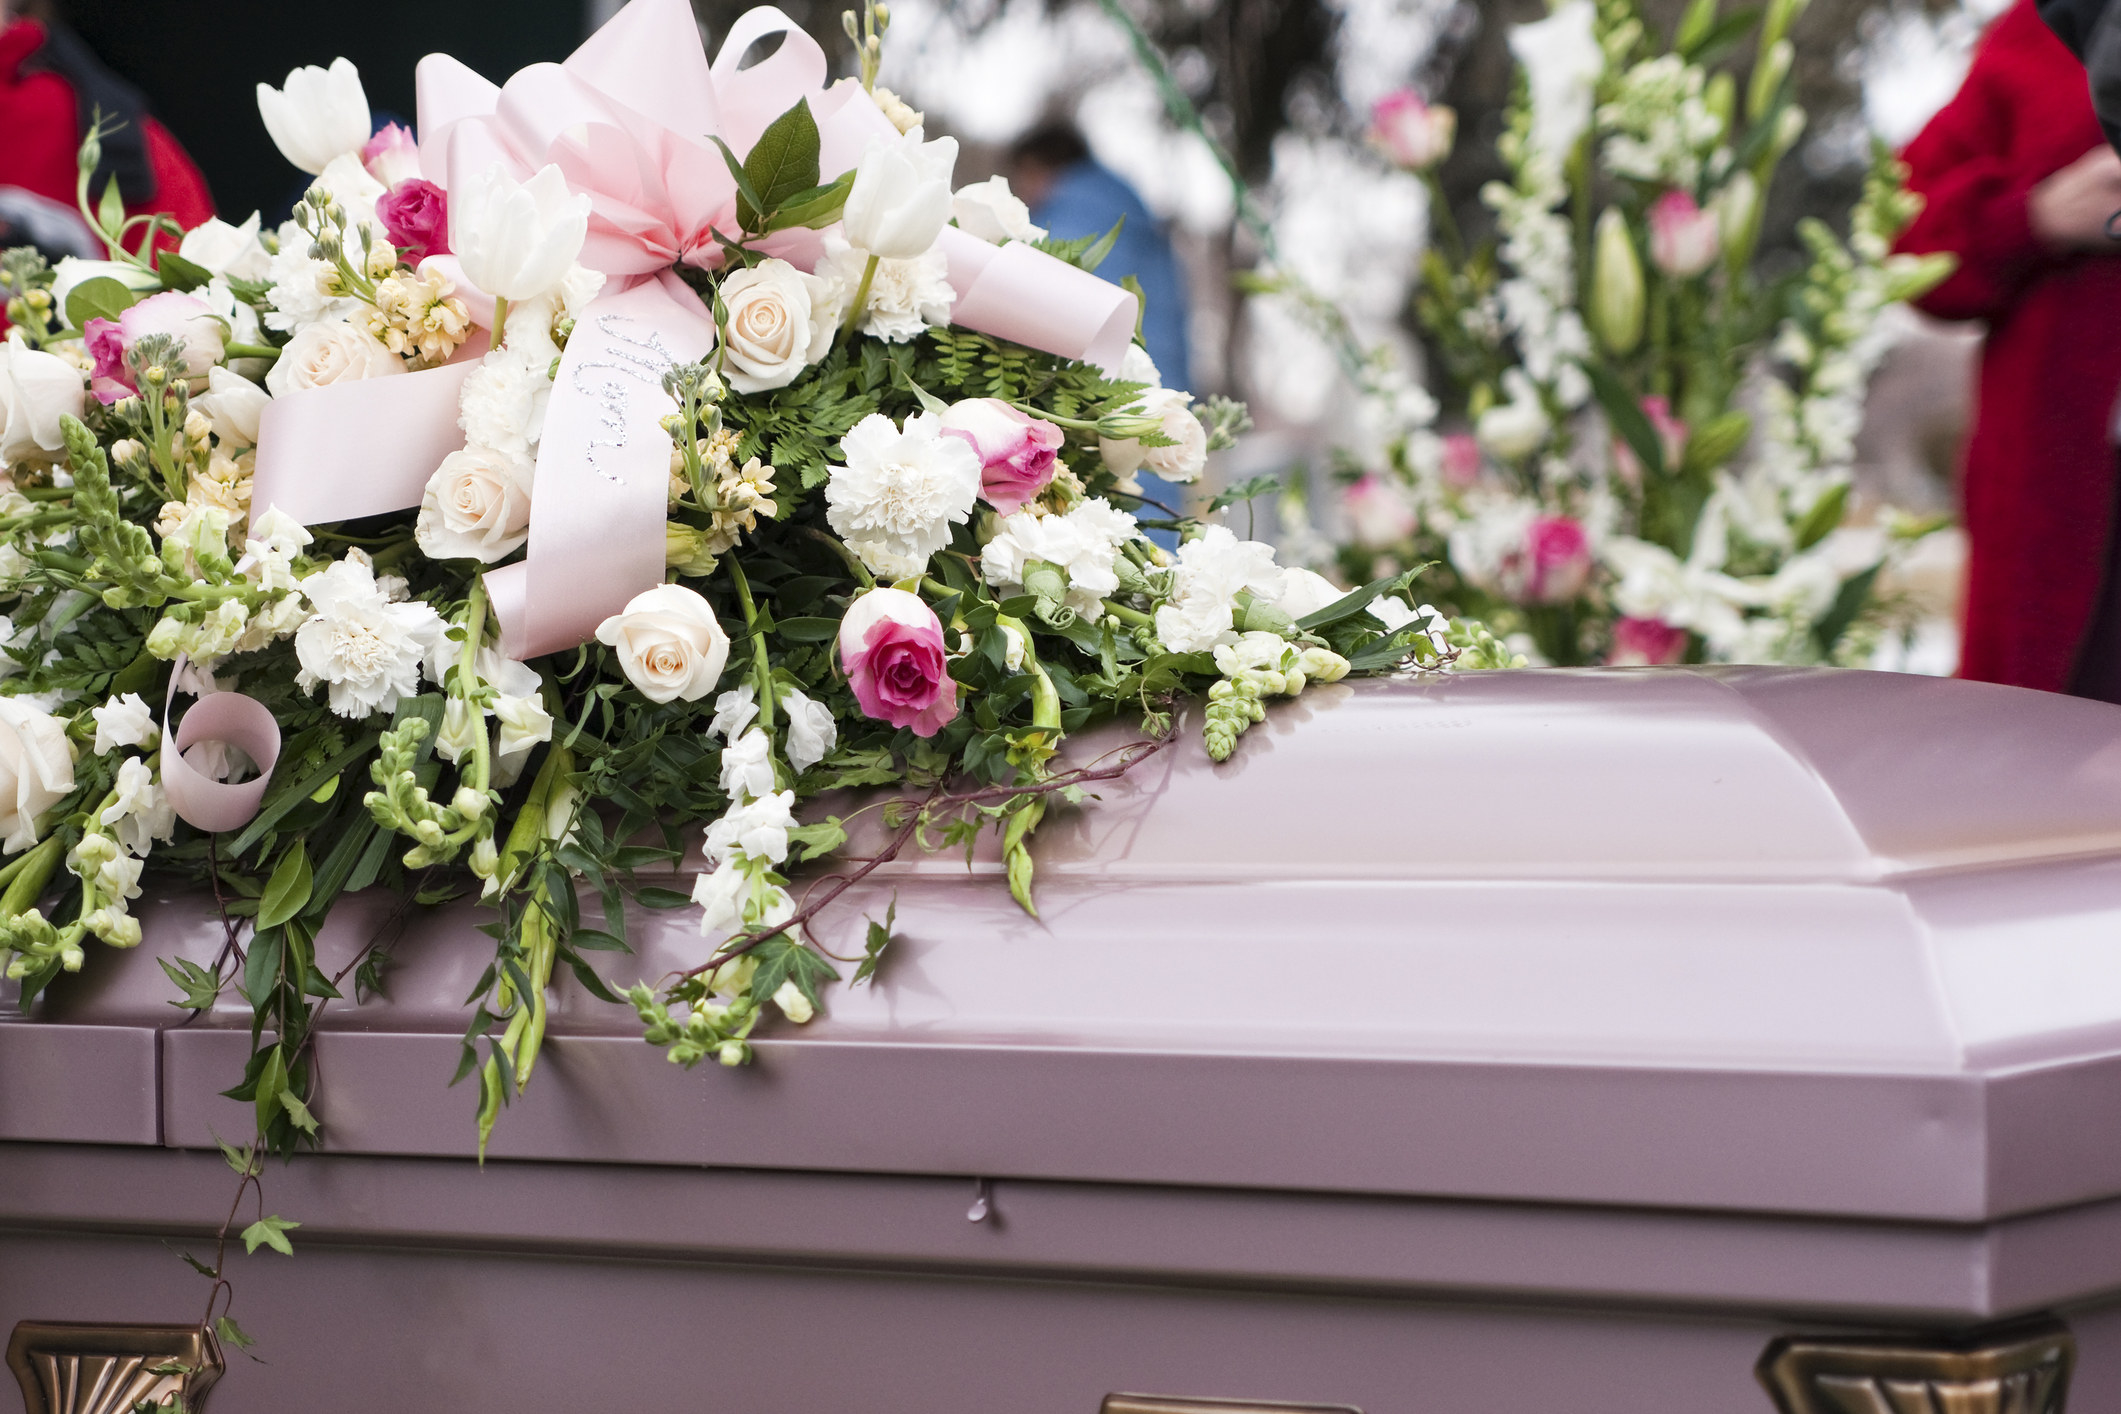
(264, 351)
(762, 668)
(860, 301)
(1125, 615)
(500, 321)
(36, 871)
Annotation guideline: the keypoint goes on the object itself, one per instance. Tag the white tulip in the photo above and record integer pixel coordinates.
(317, 115)
(516, 240)
(36, 389)
(901, 199)
(234, 405)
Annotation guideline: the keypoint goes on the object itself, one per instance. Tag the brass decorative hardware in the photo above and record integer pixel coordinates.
(1176, 1404)
(68, 1368)
(2024, 1370)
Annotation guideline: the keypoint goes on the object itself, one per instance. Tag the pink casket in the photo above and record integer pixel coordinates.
(1514, 1043)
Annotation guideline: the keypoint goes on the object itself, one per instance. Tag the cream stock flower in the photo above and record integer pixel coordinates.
(516, 240)
(418, 317)
(670, 644)
(318, 114)
(900, 491)
(36, 770)
(327, 352)
(780, 322)
(476, 506)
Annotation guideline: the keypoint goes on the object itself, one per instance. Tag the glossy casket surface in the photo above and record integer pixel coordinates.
(1532, 1021)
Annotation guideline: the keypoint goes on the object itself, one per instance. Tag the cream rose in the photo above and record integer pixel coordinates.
(477, 506)
(1183, 460)
(780, 322)
(669, 643)
(36, 770)
(327, 352)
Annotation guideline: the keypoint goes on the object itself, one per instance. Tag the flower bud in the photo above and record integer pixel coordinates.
(730, 1053)
(1738, 218)
(165, 639)
(1616, 286)
(485, 858)
(469, 803)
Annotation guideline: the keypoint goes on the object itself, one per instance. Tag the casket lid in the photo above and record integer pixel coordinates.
(1782, 940)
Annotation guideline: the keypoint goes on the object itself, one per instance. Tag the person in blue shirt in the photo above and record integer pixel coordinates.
(1072, 195)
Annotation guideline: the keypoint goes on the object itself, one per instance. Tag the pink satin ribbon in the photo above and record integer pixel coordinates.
(626, 119)
(224, 719)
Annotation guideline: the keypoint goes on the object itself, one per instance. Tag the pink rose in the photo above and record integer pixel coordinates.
(1461, 460)
(1671, 439)
(391, 156)
(1377, 511)
(1411, 133)
(1015, 450)
(891, 646)
(1555, 563)
(189, 320)
(1646, 643)
(415, 215)
(1684, 238)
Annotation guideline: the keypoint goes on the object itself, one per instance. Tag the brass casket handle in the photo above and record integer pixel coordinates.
(70, 1368)
(2023, 1370)
(1179, 1404)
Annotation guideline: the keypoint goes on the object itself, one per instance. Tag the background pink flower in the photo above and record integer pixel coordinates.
(1413, 134)
(1671, 440)
(1557, 560)
(1461, 460)
(891, 647)
(415, 215)
(1684, 238)
(1378, 514)
(1016, 450)
(1646, 643)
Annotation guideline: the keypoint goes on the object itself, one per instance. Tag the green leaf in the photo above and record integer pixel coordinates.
(782, 959)
(241, 1161)
(820, 206)
(100, 298)
(1102, 247)
(817, 840)
(271, 1081)
(596, 940)
(298, 1113)
(873, 949)
(746, 193)
(661, 898)
(270, 1231)
(1721, 37)
(287, 892)
(1855, 593)
(1823, 517)
(261, 966)
(198, 1266)
(1354, 601)
(1245, 491)
(180, 274)
(1627, 416)
(781, 164)
(226, 1328)
(808, 630)
(200, 987)
(110, 212)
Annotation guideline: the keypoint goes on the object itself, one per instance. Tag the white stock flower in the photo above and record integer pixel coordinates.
(36, 390)
(757, 829)
(476, 507)
(524, 723)
(327, 352)
(905, 297)
(221, 249)
(1305, 592)
(1085, 543)
(515, 240)
(994, 213)
(900, 491)
(123, 721)
(359, 641)
(747, 767)
(1210, 573)
(348, 181)
(302, 288)
(733, 711)
(142, 813)
(811, 731)
(780, 322)
(670, 644)
(36, 770)
(234, 405)
(721, 893)
(318, 114)
(1562, 62)
(1183, 461)
(900, 200)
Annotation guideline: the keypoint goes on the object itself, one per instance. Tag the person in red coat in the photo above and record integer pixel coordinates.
(2019, 183)
(50, 86)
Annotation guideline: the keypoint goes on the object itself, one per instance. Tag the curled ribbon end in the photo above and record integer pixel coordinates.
(224, 719)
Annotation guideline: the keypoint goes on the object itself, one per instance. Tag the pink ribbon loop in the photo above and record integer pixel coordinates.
(223, 719)
(628, 119)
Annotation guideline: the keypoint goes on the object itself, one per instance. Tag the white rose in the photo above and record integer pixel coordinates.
(994, 213)
(476, 507)
(780, 322)
(36, 770)
(517, 240)
(811, 731)
(670, 644)
(327, 352)
(318, 114)
(221, 249)
(36, 390)
(234, 405)
(900, 200)
(1182, 461)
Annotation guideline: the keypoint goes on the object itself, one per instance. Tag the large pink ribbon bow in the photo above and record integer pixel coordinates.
(628, 120)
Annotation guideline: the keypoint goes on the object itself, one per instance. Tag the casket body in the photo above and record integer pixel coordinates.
(1513, 1043)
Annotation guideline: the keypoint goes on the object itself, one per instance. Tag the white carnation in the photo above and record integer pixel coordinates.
(502, 406)
(1211, 571)
(905, 296)
(900, 491)
(1085, 543)
(364, 646)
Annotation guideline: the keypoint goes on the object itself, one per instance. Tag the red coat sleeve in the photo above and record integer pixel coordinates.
(180, 188)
